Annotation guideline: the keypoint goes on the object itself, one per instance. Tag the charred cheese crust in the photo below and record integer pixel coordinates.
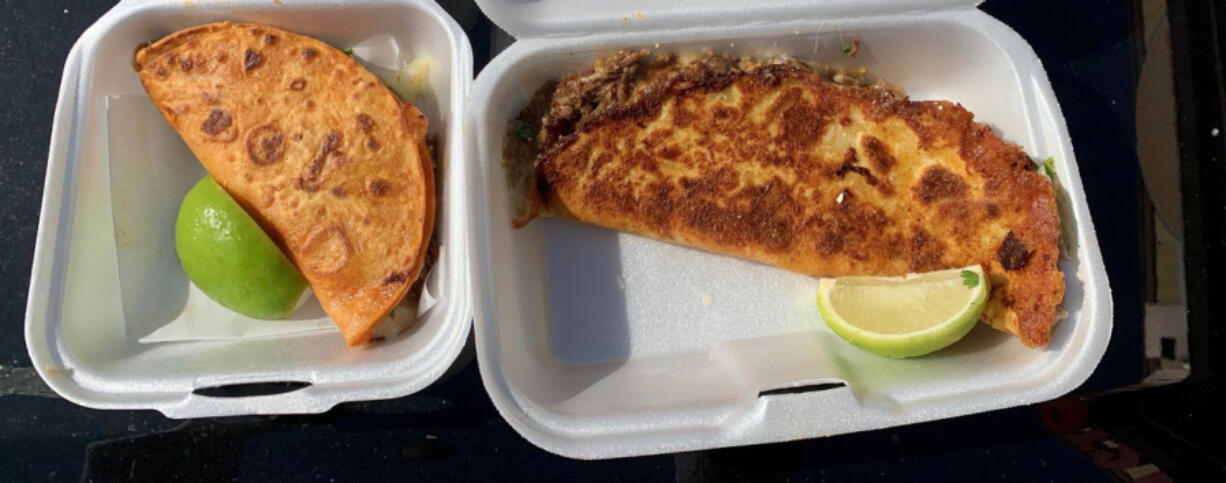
(778, 164)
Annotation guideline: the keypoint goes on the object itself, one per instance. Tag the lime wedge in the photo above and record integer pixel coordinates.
(230, 258)
(904, 316)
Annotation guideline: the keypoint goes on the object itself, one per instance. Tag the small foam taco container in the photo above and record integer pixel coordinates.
(105, 272)
(598, 344)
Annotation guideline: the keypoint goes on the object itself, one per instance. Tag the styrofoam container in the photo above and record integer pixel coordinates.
(84, 297)
(599, 344)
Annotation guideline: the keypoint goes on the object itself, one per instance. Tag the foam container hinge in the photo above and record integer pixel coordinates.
(599, 344)
(77, 326)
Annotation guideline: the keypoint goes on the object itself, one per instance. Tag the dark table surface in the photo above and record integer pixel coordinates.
(451, 430)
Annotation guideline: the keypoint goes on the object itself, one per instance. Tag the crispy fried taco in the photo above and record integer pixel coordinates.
(805, 167)
(330, 163)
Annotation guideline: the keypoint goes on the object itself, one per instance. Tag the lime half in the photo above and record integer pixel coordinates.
(904, 316)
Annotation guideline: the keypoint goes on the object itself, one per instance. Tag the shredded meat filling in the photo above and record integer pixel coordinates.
(579, 98)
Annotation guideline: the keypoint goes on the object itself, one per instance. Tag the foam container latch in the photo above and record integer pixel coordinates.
(104, 272)
(599, 344)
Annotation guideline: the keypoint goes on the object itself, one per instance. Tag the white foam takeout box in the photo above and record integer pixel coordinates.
(599, 344)
(105, 273)
(592, 343)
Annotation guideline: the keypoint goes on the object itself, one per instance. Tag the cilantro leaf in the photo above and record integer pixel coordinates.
(523, 130)
(846, 49)
(348, 51)
(1049, 166)
(970, 279)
